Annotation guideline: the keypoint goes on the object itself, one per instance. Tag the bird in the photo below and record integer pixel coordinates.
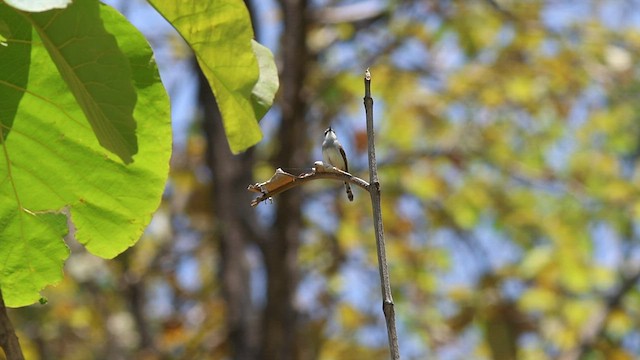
(333, 154)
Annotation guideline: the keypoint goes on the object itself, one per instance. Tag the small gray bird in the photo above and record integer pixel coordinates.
(333, 154)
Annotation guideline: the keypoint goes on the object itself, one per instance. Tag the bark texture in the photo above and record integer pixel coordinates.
(281, 252)
(230, 174)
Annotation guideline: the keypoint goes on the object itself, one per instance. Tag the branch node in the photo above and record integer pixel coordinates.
(375, 186)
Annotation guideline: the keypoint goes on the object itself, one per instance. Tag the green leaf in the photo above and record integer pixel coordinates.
(52, 162)
(220, 34)
(15, 32)
(38, 5)
(95, 70)
(36, 259)
(265, 89)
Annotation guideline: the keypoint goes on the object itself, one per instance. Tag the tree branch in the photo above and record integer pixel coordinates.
(8, 339)
(282, 181)
(374, 190)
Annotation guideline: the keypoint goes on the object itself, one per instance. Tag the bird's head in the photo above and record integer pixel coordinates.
(329, 133)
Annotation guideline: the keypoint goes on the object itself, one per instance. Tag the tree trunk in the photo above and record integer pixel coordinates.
(231, 174)
(280, 253)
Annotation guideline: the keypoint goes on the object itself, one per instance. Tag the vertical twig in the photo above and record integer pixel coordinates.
(8, 339)
(374, 190)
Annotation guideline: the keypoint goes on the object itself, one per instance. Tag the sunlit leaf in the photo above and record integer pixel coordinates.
(267, 85)
(15, 46)
(38, 5)
(95, 70)
(220, 34)
(53, 164)
(32, 253)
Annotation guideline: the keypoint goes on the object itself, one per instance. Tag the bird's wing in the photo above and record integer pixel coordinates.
(344, 157)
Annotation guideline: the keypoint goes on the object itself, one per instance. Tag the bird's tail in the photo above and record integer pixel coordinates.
(349, 192)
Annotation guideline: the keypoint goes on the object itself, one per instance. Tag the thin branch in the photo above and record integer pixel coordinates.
(598, 322)
(282, 181)
(374, 190)
(8, 339)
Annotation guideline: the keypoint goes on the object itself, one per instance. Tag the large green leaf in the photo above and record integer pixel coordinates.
(52, 164)
(220, 34)
(95, 70)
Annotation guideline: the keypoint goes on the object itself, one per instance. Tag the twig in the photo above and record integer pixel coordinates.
(282, 181)
(8, 339)
(597, 324)
(374, 190)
